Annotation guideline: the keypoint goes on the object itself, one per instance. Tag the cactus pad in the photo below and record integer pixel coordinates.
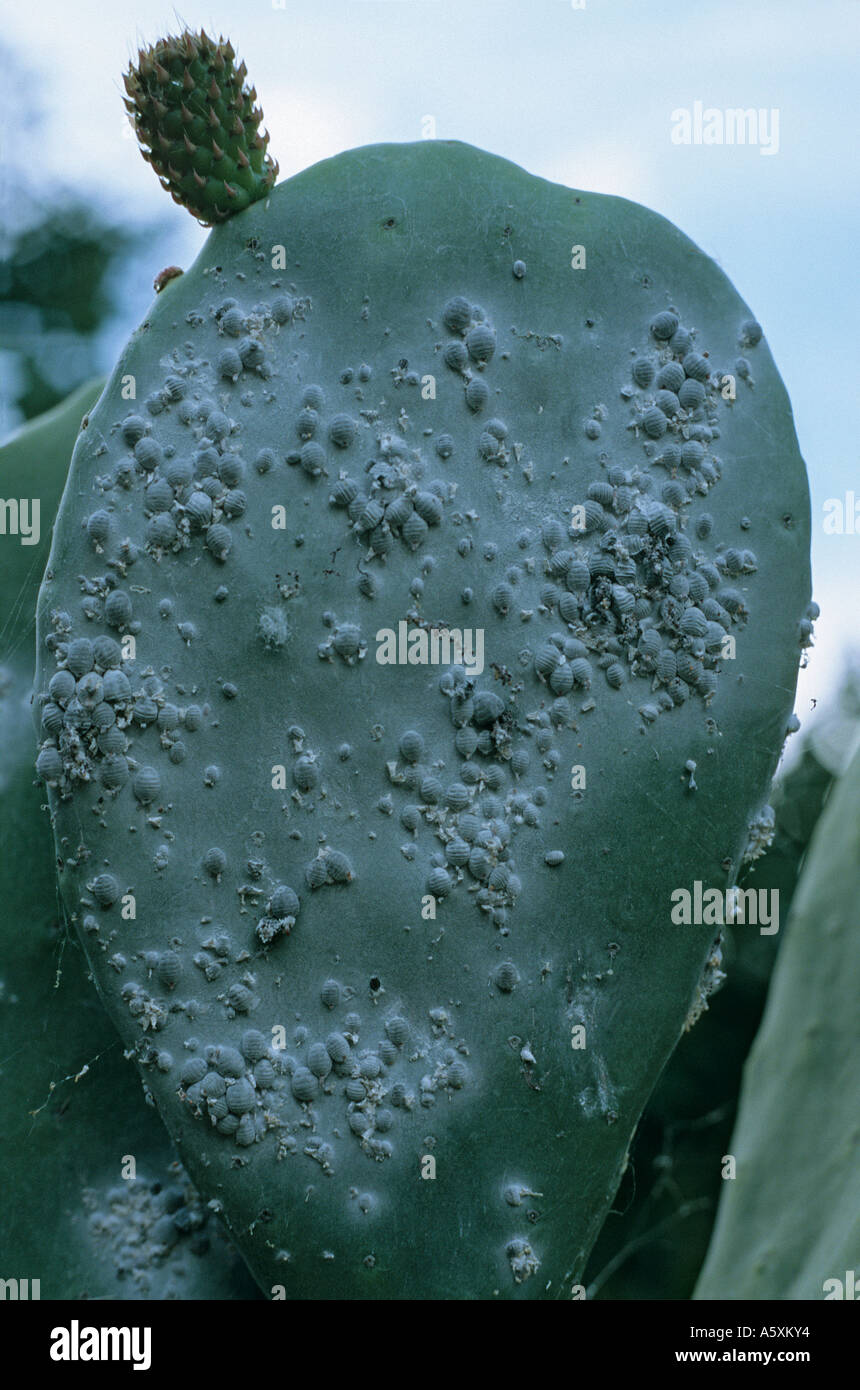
(198, 125)
(436, 617)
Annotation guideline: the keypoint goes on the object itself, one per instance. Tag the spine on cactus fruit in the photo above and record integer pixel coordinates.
(198, 126)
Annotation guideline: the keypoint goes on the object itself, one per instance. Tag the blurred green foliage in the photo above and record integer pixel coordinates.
(64, 266)
(56, 294)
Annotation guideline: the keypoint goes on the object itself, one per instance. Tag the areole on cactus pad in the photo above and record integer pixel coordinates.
(427, 617)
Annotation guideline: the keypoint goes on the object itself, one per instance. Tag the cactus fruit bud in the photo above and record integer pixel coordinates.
(198, 126)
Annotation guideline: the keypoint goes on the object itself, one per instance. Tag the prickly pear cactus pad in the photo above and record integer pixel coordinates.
(430, 616)
(198, 126)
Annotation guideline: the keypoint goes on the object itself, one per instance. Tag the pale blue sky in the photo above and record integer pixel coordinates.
(583, 96)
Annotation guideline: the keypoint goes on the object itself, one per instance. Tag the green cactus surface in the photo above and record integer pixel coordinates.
(788, 1225)
(74, 1110)
(403, 927)
(198, 126)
